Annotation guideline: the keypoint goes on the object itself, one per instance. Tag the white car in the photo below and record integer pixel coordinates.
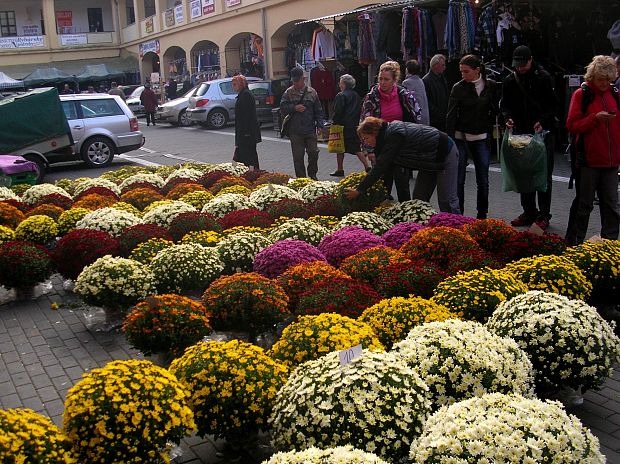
(175, 111)
(134, 103)
(102, 126)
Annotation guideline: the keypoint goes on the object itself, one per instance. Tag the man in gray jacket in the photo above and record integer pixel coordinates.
(414, 83)
(302, 103)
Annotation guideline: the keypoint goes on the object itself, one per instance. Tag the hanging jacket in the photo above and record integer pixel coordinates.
(601, 138)
(413, 146)
(347, 111)
(372, 104)
(470, 113)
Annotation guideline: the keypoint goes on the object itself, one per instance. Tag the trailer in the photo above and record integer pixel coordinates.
(33, 125)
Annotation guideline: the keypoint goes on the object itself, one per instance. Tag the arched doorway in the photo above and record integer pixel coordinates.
(175, 63)
(150, 64)
(245, 53)
(282, 55)
(205, 61)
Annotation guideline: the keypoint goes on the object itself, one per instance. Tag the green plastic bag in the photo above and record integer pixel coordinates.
(523, 159)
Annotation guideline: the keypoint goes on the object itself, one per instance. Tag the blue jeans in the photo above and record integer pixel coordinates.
(479, 152)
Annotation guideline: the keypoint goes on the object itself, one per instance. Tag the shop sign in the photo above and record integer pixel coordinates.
(22, 42)
(169, 17)
(64, 18)
(208, 7)
(31, 29)
(179, 16)
(151, 46)
(73, 39)
(195, 9)
(230, 3)
(149, 25)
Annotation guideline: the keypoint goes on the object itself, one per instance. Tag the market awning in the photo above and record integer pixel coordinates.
(7, 82)
(47, 76)
(126, 64)
(98, 72)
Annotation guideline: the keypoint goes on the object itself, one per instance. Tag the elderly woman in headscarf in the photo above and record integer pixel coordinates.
(247, 130)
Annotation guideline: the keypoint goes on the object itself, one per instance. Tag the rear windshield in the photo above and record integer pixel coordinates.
(99, 108)
(259, 88)
(202, 89)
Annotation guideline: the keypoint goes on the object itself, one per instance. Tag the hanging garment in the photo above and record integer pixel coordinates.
(440, 19)
(323, 45)
(322, 81)
(365, 44)
(486, 40)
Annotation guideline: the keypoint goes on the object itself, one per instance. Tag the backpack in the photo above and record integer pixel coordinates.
(577, 146)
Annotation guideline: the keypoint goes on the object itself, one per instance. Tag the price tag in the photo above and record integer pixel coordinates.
(350, 354)
(535, 229)
(596, 239)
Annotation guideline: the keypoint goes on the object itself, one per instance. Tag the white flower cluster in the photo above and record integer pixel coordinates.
(238, 250)
(186, 267)
(164, 214)
(338, 455)
(314, 190)
(409, 211)
(146, 177)
(371, 222)
(8, 194)
(226, 203)
(299, 229)
(110, 220)
(268, 194)
(111, 280)
(186, 173)
(236, 169)
(461, 359)
(498, 428)
(569, 343)
(85, 184)
(375, 402)
(34, 193)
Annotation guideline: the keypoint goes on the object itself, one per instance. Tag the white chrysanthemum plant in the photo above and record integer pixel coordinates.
(299, 229)
(185, 173)
(110, 220)
(569, 343)
(85, 184)
(409, 211)
(338, 455)
(375, 402)
(237, 251)
(8, 194)
(234, 169)
(226, 203)
(498, 428)
(164, 214)
(372, 222)
(114, 282)
(316, 189)
(461, 359)
(186, 268)
(268, 194)
(36, 192)
(144, 177)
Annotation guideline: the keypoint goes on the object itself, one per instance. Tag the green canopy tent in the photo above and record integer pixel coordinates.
(47, 77)
(97, 73)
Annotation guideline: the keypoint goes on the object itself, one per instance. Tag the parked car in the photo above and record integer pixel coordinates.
(102, 126)
(129, 89)
(174, 111)
(213, 104)
(133, 101)
(268, 94)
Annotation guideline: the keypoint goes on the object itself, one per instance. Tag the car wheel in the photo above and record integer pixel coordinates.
(217, 119)
(41, 166)
(98, 151)
(184, 120)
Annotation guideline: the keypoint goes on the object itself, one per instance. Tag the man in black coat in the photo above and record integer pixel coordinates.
(437, 92)
(528, 105)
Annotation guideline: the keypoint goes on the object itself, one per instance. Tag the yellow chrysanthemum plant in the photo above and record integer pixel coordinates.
(311, 337)
(474, 295)
(6, 234)
(392, 319)
(38, 229)
(28, 437)
(552, 273)
(127, 412)
(233, 386)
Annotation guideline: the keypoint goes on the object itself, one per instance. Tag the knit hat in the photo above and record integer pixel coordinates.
(521, 56)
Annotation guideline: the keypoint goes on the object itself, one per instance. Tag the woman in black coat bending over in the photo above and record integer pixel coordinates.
(247, 130)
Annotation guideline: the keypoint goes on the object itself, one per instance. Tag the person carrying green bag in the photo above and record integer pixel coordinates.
(523, 159)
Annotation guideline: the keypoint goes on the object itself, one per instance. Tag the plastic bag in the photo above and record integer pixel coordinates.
(336, 139)
(523, 160)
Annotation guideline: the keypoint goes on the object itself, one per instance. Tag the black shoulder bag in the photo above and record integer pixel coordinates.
(286, 126)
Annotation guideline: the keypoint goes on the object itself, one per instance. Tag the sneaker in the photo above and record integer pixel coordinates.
(523, 220)
(337, 174)
(542, 222)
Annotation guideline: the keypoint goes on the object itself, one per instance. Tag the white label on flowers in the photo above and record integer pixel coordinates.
(348, 355)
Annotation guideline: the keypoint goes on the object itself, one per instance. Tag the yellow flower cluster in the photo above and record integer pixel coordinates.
(69, 218)
(240, 189)
(208, 238)
(237, 229)
(129, 208)
(474, 295)
(300, 183)
(27, 437)
(38, 229)
(233, 386)
(198, 198)
(6, 234)
(393, 318)
(314, 336)
(553, 274)
(127, 411)
(600, 262)
(326, 221)
(145, 252)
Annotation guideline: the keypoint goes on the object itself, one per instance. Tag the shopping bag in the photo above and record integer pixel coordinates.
(523, 159)
(335, 143)
(286, 122)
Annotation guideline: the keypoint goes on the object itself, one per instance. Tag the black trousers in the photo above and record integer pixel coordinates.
(150, 117)
(528, 200)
